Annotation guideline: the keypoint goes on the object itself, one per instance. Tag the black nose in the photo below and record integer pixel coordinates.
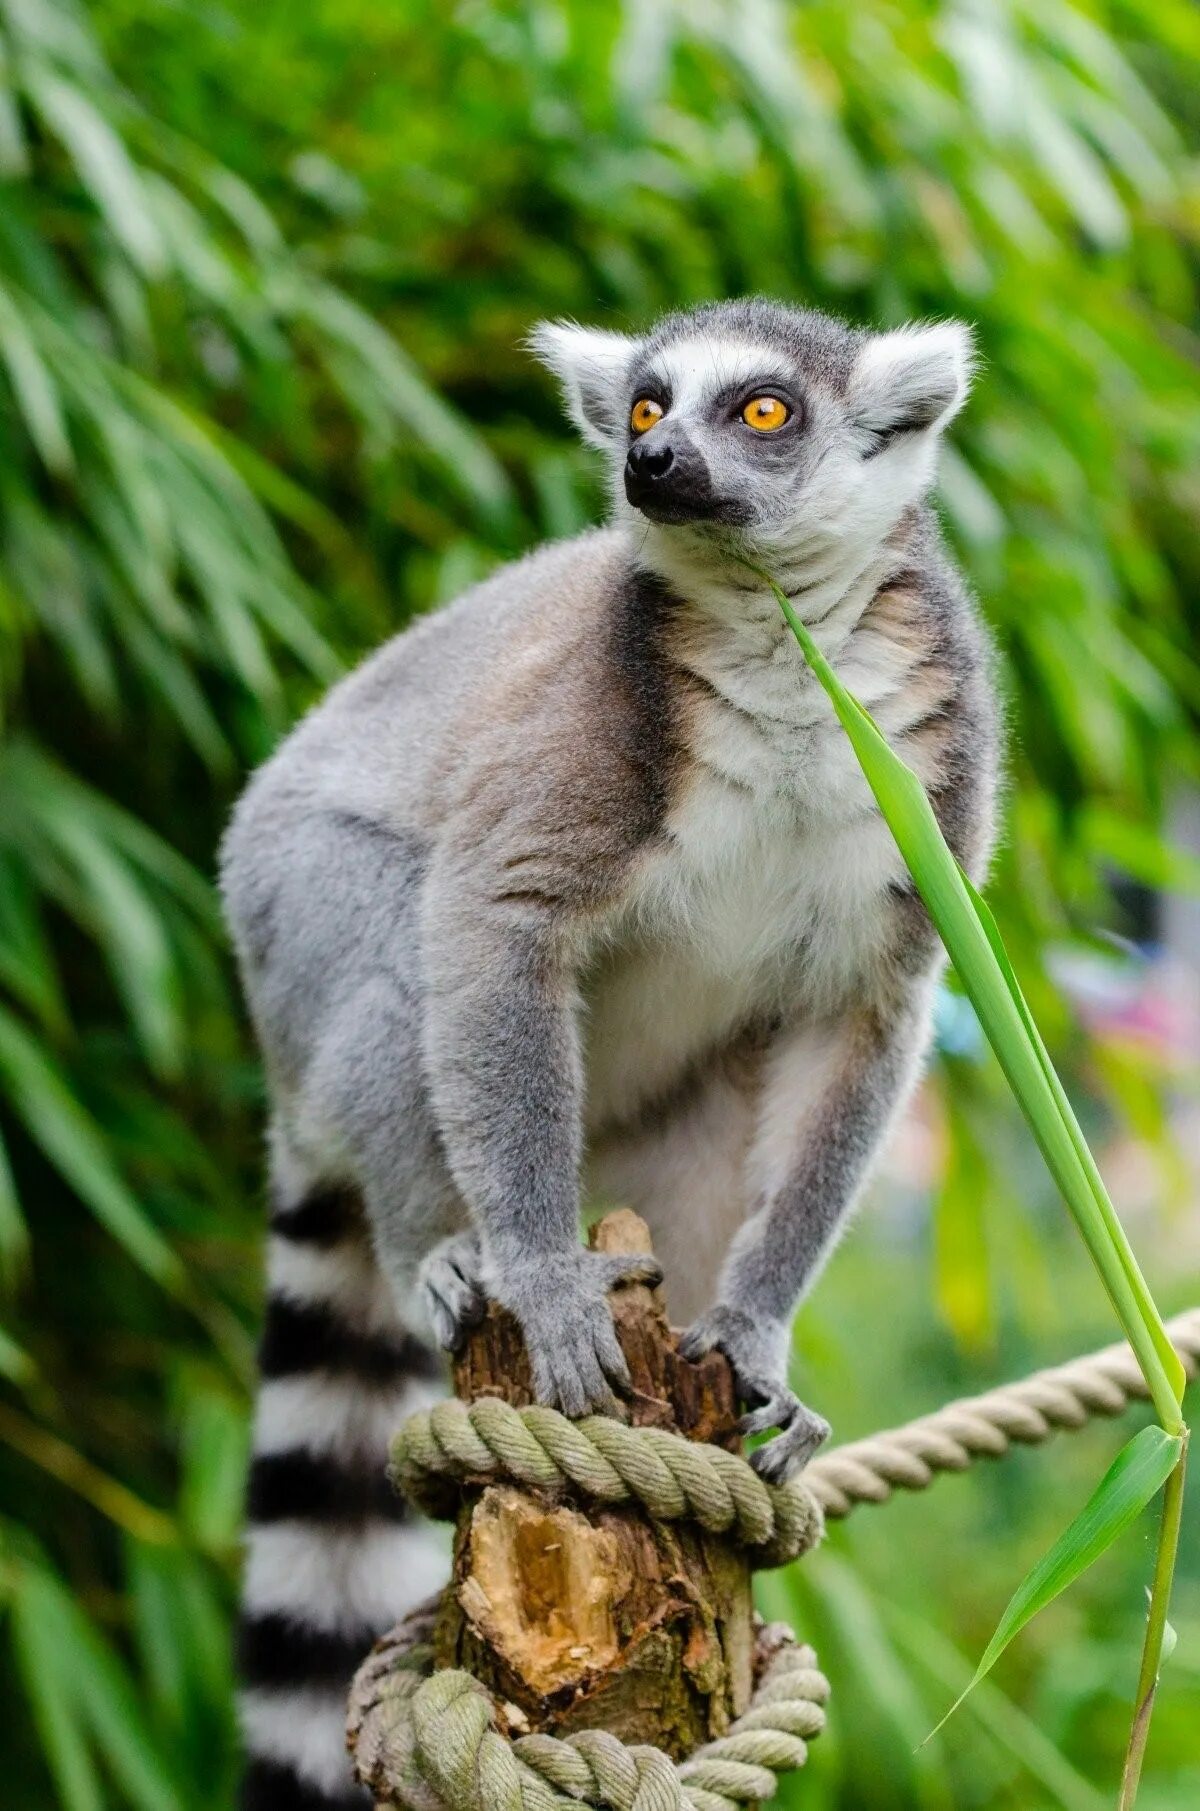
(648, 463)
(667, 479)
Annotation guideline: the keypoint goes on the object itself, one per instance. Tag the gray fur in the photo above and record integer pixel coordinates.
(578, 879)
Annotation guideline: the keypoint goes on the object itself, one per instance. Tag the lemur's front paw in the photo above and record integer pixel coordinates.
(757, 1352)
(561, 1304)
(449, 1281)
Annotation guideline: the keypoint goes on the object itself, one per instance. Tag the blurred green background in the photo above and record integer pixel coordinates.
(264, 271)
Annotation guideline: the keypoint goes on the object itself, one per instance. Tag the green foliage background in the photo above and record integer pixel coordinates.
(264, 274)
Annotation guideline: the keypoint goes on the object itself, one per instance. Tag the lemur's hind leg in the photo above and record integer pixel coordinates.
(367, 1081)
(831, 1089)
(697, 1171)
(340, 1009)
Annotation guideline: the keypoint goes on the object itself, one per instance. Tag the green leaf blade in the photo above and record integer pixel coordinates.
(975, 948)
(42, 1098)
(1136, 1475)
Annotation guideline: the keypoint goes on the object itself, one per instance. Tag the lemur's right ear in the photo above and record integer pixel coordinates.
(910, 380)
(590, 364)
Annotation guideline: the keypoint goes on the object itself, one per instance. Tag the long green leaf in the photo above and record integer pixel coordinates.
(1136, 1475)
(128, 927)
(15, 1362)
(46, 1663)
(34, 391)
(1170, 1359)
(118, 1725)
(27, 964)
(43, 1100)
(80, 1689)
(104, 165)
(14, 1233)
(993, 992)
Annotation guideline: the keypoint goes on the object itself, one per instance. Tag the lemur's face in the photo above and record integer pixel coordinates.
(716, 432)
(756, 425)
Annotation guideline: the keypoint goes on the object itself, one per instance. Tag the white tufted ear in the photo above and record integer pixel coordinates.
(911, 379)
(591, 365)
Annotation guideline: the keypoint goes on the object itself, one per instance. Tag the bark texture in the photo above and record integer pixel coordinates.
(580, 1617)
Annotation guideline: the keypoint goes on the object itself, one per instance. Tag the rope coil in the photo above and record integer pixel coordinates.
(435, 1740)
(454, 1444)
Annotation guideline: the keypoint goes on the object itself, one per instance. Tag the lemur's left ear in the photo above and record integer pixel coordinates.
(912, 379)
(590, 364)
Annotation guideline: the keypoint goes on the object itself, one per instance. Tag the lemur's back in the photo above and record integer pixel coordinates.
(387, 739)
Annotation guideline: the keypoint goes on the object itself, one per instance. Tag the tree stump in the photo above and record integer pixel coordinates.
(577, 1616)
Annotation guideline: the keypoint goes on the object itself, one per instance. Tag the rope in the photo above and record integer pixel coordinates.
(454, 1444)
(437, 1452)
(1065, 1397)
(432, 1740)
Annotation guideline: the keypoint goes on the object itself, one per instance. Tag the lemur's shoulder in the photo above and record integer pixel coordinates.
(562, 753)
(940, 709)
(482, 640)
(449, 692)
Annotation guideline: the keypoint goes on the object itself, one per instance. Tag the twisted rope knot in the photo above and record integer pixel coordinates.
(438, 1451)
(434, 1742)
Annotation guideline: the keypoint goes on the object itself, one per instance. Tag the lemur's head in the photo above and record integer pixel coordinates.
(763, 426)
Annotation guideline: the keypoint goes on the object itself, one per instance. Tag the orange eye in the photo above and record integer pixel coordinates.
(644, 414)
(766, 413)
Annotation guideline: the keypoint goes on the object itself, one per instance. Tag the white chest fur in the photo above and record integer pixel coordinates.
(764, 897)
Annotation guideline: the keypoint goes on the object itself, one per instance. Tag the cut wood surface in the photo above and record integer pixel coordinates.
(580, 1617)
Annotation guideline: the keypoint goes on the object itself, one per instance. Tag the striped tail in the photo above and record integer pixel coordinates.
(333, 1556)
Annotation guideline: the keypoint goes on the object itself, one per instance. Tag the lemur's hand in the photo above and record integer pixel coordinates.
(451, 1288)
(561, 1303)
(757, 1351)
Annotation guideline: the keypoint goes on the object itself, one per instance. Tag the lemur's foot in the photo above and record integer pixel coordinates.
(757, 1352)
(561, 1304)
(449, 1281)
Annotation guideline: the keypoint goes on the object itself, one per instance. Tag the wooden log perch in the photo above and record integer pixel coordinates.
(578, 1616)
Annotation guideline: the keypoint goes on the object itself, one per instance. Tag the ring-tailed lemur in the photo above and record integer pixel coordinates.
(579, 878)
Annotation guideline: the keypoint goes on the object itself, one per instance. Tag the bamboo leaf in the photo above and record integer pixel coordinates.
(1168, 1357)
(15, 1362)
(1009, 1727)
(72, 1468)
(376, 372)
(181, 1636)
(104, 165)
(14, 152)
(1136, 1475)
(47, 1664)
(119, 1728)
(43, 1100)
(79, 1690)
(974, 946)
(14, 1233)
(35, 392)
(27, 965)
